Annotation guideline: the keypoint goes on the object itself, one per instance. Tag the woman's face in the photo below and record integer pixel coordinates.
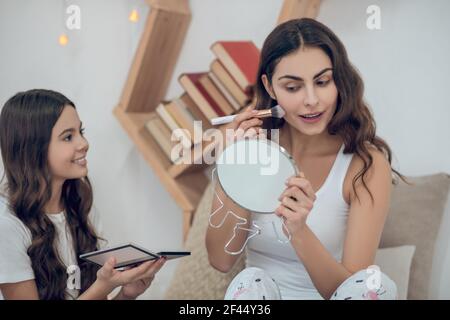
(303, 86)
(68, 147)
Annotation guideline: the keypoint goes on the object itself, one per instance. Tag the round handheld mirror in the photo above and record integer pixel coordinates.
(253, 172)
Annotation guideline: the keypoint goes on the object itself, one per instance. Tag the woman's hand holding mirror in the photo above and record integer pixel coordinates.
(297, 201)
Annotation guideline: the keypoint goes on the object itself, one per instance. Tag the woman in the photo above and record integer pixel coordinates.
(336, 208)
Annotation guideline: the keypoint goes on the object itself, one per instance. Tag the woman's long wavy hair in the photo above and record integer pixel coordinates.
(26, 123)
(352, 120)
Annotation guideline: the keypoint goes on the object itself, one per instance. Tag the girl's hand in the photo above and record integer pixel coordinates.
(297, 201)
(109, 278)
(134, 289)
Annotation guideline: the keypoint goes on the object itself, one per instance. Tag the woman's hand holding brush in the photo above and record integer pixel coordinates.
(243, 125)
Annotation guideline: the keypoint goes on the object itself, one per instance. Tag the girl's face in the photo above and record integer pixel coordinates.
(303, 86)
(68, 147)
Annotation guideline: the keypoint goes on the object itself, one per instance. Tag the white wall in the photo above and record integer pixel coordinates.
(404, 66)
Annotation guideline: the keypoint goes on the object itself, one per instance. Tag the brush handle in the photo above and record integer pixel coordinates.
(222, 120)
(265, 113)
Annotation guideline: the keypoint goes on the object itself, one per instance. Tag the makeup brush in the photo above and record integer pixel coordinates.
(274, 112)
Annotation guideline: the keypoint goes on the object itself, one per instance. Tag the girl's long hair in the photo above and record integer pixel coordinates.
(352, 121)
(26, 123)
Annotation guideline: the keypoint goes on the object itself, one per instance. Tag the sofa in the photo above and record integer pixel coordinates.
(414, 249)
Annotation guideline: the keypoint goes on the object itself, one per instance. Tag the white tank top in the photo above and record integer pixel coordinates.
(327, 220)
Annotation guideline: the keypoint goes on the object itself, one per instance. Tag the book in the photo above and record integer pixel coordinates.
(192, 108)
(241, 59)
(191, 84)
(218, 70)
(216, 95)
(231, 100)
(162, 135)
(175, 128)
(184, 117)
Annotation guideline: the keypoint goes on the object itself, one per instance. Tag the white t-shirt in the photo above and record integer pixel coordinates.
(15, 239)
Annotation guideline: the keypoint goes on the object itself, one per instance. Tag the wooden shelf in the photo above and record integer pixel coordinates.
(293, 9)
(146, 86)
(134, 125)
(186, 188)
(156, 55)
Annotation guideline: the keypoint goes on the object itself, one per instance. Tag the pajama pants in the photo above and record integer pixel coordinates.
(367, 284)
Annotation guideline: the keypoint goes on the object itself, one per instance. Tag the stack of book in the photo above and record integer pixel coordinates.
(223, 90)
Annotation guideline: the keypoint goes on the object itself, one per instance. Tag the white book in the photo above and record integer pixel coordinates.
(196, 124)
(173, 125)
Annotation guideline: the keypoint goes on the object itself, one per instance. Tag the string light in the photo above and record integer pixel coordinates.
(63, 40)
(71, 21)
(134, 16)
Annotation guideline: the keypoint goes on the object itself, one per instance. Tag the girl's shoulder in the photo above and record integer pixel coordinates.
(96, 222)
(11, 226)
(5, 212)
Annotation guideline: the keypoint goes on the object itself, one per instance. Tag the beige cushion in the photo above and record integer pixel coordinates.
(414, 219)
(440, 273)
(194, 278)
(396, 263)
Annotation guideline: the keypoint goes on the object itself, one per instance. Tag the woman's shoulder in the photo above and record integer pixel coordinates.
(380, 166)
(380, 161)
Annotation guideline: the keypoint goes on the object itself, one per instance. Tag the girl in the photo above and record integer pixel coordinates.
(336, 208)
(45, 212)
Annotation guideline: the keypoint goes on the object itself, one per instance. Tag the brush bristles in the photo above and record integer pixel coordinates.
(277, 112)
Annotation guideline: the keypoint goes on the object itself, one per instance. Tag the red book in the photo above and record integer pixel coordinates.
(241, 59)
(191, 83)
